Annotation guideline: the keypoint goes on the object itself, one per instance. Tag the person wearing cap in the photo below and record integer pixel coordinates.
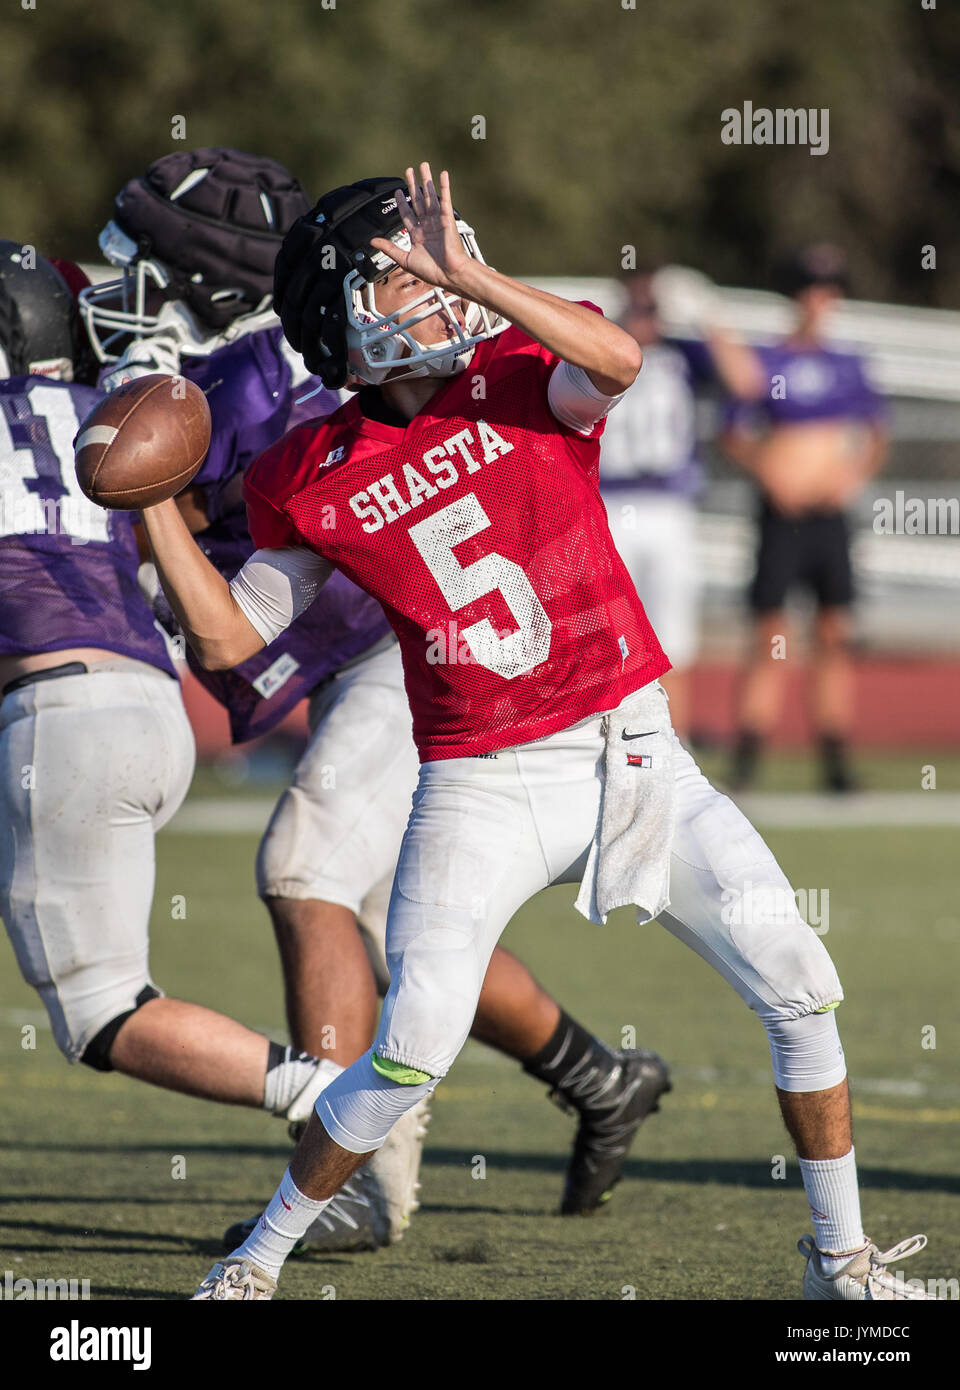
(809, 428)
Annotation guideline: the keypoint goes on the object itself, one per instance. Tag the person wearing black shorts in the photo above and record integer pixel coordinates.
(810, 552)
(809, 429)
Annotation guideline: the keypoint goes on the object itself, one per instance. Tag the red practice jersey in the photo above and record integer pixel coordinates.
(480, 530)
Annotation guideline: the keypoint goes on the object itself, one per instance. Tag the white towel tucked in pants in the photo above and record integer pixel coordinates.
(629, 860)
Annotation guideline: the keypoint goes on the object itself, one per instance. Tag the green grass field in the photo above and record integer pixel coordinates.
(87, 1161)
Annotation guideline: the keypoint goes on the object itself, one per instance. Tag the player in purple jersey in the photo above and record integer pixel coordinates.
(96, 753)
(253, 391)
(650, 477)
(326, 863)
(810, 430)
(195, 240)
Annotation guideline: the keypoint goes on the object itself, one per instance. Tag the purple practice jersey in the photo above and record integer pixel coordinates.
(68, 568)
(252, 398)
(807, 384)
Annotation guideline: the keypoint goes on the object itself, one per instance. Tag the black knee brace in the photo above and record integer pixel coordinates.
(97, 1052)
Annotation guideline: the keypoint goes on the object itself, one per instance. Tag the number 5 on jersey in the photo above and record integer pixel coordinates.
(508, 656)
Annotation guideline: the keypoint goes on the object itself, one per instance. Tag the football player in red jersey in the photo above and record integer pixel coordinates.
(462, 493)
(326, 862)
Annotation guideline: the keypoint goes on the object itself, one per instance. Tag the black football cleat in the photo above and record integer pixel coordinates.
(609, 1119)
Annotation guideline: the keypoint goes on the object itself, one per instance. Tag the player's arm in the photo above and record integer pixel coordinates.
(876, 441)
(609, 356)
(687, 296)
(742, 445)
(737, 366)
(226, 624)
(213, 623)
(192, 505)
(863, 466)
(875, 450)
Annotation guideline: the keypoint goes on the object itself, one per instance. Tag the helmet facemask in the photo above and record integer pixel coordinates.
(382, 346)
(146, 302)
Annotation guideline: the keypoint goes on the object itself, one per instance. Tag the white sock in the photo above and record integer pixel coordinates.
(290, 1073)
(834, 1197)
(288, 1215)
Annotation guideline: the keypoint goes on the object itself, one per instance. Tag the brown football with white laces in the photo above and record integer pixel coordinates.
(143, 443)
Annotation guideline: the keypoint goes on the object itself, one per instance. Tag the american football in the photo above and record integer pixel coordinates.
(143, 443)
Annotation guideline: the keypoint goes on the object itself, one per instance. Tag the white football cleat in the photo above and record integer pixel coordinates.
(357, 1218)
(396, 1166)
(235, 1278)
(865, 1277)
(373, 1207)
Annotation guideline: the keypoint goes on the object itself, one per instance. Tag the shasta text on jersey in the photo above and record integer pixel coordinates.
(387, 498)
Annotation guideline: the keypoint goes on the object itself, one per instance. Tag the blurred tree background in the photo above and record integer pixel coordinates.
(602, 123)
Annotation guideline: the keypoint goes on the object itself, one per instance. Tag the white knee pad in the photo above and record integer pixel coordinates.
(86, 998)
(359, 1109)
(435, 983)
(806, 1053)
(81, 1040)
(731, 903)
(113, 754)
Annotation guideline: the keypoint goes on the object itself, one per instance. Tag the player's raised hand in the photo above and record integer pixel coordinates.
(436, 252)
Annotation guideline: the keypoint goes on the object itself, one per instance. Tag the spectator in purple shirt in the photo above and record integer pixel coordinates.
(809, 428)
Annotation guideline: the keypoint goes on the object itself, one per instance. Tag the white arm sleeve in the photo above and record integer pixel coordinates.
(276, 586)
(575, 401)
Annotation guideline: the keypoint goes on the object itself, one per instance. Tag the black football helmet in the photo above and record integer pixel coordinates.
(40, 329)
(200, 230)
(324, 293)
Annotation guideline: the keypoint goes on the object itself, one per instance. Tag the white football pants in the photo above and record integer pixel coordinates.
(486, 834)
(91, 766)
